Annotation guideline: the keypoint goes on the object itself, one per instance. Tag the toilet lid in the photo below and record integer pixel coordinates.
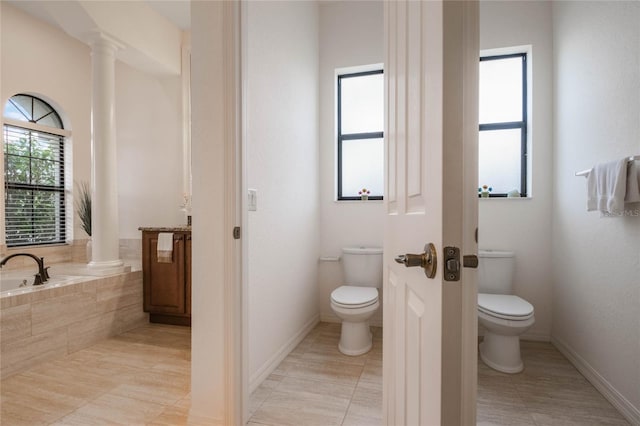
(505, 306)
(354, 297)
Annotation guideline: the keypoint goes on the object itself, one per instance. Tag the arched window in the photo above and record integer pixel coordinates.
(33, 173)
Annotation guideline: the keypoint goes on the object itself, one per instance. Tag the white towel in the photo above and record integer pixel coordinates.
(633, 183)
(606, 186)
(165, 247)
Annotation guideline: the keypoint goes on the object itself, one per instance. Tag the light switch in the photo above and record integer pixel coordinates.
(253, 200)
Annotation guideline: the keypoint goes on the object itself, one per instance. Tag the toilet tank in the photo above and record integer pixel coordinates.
(495, 271)
(362, 266)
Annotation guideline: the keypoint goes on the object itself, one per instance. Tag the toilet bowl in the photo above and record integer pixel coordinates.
(354, 306)
(358, 299)
(504, 316)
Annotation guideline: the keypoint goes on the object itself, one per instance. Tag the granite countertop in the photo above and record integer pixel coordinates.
(178, 228)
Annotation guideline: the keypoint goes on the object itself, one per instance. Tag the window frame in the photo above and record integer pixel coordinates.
(55, 136)
(352, 136)
(509, 125)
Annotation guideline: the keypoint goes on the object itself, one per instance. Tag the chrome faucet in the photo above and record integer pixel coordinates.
(42, 276)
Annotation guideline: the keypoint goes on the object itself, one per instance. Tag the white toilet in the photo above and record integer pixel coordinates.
(357, 300)
(504, 316)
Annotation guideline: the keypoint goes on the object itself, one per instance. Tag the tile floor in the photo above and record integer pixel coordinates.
(142, 377)
(549, 392)
(317, 385)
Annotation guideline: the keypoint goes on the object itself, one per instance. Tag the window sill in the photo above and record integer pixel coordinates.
(358, 201)
(505, 198)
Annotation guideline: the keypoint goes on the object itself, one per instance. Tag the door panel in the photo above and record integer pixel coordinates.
(430, 65)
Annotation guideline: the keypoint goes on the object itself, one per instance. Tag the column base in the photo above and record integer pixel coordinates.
(104, 268)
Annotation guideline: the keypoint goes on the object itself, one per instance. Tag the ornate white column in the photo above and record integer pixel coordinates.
(104, 171)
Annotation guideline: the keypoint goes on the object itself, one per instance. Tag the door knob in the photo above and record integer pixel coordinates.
(427, 260)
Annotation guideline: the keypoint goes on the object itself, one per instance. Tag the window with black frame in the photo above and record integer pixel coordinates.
(502, 140)
(360, 118)
(34, 183)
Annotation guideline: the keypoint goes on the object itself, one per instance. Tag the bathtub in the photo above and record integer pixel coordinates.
(71, 311)
(13, 283)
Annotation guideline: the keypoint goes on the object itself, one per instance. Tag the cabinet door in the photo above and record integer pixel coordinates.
(187, 265)
(164, 283)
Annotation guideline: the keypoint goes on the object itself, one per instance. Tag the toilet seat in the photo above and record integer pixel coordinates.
(352, 297)
(505, 306)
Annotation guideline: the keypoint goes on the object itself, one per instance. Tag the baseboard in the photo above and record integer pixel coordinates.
(263, 372)
(618, 400)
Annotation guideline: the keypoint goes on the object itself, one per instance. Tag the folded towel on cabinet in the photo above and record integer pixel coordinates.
(165, 247)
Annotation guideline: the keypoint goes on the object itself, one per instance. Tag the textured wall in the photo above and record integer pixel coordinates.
(282, 165)
(596, 271)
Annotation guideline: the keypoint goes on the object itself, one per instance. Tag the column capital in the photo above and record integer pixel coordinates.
(102, 42)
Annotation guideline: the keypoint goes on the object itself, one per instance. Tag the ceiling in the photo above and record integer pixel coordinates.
(176, 11)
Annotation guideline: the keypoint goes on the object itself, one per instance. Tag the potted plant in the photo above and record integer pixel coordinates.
(364, 194)
(83, 209)
(485, 190)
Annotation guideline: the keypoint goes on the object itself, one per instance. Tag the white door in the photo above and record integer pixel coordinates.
(431, 129)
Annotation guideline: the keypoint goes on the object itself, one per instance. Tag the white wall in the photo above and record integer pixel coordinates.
(40, 59)
(282, 165)
(351, 34)
(523, 225)
(149, 136)
(43, 61)
(596, 313)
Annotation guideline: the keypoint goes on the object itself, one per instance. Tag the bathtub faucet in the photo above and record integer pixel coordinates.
(41, 277)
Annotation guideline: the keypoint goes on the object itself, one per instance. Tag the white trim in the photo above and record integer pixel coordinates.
(470, 44)
(244, 212)
(36, 127)
(607, 390)
(272, 363)
(233, 295)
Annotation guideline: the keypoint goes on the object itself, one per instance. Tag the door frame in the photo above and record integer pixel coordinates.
(462, 24)
(220, 384)
(218, 361)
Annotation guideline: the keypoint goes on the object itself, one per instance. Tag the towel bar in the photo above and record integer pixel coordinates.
(585, 173)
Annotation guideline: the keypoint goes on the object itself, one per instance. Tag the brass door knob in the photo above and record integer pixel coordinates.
(427, 260)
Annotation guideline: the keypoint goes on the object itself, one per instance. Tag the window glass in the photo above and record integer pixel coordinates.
(499, 160)
(362, 166)
(34, 175)
(360, 135)
(501, 90)
(503, 124)
(362, 104)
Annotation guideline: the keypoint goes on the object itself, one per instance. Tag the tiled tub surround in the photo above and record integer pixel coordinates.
(72, 314)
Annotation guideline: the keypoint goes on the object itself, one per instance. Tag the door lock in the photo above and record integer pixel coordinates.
(452, 263)
(427, 260)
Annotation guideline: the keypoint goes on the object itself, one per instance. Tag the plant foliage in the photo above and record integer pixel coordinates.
(83, 206)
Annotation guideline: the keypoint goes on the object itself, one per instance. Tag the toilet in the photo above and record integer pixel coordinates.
(504, 316)
(357, 300)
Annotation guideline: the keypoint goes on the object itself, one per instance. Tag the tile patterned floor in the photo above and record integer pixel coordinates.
(317, 385)
(143, 378)
(140, 377)
(549, 392)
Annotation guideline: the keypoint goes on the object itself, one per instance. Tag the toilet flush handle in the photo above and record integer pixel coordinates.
(427, 260)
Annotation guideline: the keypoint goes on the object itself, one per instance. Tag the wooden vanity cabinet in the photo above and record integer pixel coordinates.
(167, 286)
